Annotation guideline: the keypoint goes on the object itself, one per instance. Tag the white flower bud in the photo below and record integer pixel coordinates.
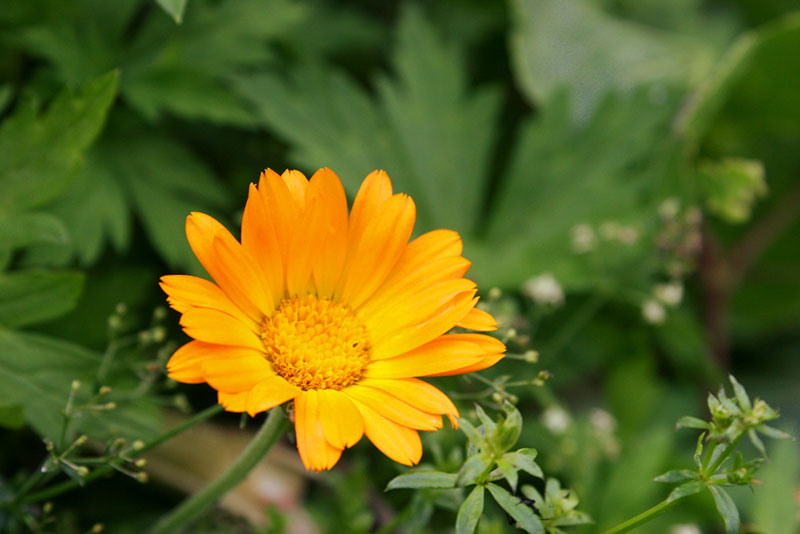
(544, 289)
(583, 238)
(670, 294)
(653, 312)
(556, 419)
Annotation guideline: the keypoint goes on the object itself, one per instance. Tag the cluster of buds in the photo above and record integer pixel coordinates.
(585, 237)
(557, 507)
(663, 296)
(678, 240)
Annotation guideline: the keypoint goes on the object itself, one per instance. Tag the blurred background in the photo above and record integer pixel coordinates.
(626, 173)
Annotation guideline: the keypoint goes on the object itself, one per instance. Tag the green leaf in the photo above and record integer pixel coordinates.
(574, 43)
(688, 421)
(470, 511)
(42, 150)
(524, 516)
(685, 490)
(425, 122)
(727, 509)
(474, 435)
(509, 472)
(423, 479)
(731, 186)
(473, 468)
(36, 373)
(676, 475)
(175, 8)
(524, 461)
(31, 297)
(22, 229)
(11, 416)
(773, 432)
(774, 508)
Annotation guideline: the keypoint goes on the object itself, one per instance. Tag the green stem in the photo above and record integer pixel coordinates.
(643, 518)
(58, 489)
(198, 503)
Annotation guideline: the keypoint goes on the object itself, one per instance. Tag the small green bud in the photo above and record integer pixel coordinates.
(138, 445)
(109, 406)
(47, 508)
(97, 528)
(82, 471)
(160, 313)
(508, 430)
(497, 397)
(159, 334)
(140, 463)
(145, 337)
(495, 293)
(76, 385)
(81, 440)
(531, 356)
(114, 322)
(121, 308)
(104, 390)
(141, 477)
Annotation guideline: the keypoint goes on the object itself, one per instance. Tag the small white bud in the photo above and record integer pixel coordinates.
(670, 294)
(653, 312)
(685, 529)
(669, 208)
(556, 419)
(544, 289)
(583, 239)
(628, 235)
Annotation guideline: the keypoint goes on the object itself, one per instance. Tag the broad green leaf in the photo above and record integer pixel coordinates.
(41, 151)
(470, 512)
(30, 297)
(36, 373)
(423, 479)
(11, 416)
(575, 44)
(548, 191)
(524, 516)
(424, 123)
(726, 508)
(774, 509)
(22, 229)
(175, 8)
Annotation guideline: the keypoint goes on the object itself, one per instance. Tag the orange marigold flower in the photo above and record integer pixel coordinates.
(340, 313)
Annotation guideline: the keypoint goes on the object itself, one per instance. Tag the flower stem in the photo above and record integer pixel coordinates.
(198, 503)
(644, 517)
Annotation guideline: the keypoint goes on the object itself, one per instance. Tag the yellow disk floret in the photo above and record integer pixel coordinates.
(316, 343)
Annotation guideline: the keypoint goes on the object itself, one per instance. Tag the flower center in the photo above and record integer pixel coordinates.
(315, 343)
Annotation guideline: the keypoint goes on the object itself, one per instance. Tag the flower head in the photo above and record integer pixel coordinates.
(338, 312)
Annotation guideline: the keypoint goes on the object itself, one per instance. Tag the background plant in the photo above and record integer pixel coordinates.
(659, 189)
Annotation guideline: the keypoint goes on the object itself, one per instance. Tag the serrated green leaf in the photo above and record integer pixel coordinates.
(685, 490)
(470, 511)
(175, 8)
(688, 421)
(726, 508)
(423, 479)
(36, 373)
(524, 516)
(574, 43)
(30, 297)
(676, 475)
(42, 150)
(22, 229)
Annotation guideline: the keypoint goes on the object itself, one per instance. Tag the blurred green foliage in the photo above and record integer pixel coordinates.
(626, 147)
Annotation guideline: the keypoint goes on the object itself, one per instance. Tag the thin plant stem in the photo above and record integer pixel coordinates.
(201, 501)
(644, 517)
(58, 489)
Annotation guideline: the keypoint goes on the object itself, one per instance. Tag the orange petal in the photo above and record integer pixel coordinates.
(416, 393)
(400, 443)
(283, 210)
(423, 250)
(233, 402)
(443, 354)
(297, 183)
(261, 243)
(270, 392)
(213, 326)
(202, 232)
(377, 250)
(413, 336)
(239, 270)
(315, 451)
(236, 369)
(184, 365)
(487, 361)
(329, 228)
(374, 191)
(412, 310)
(393, 408)
(479, 320)
(341, 420)
(185, 292)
